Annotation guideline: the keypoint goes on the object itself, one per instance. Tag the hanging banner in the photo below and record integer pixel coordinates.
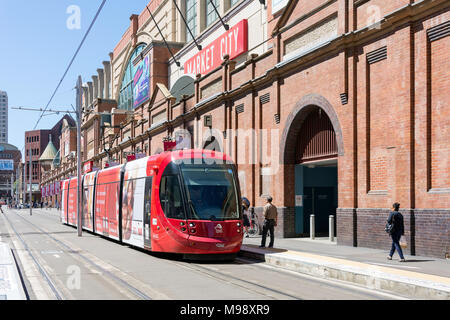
(141, 82)
(234, 42)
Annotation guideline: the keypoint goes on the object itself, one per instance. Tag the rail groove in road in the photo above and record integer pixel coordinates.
(112, 276)
(236, 281)
(249, 281)
(217, 275)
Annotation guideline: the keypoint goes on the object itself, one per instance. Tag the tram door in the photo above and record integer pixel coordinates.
(147, 212)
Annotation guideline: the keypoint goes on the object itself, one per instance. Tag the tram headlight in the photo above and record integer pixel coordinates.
(238, 224)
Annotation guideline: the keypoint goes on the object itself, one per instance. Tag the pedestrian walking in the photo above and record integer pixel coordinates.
(270, 222)
(246, 214)
(396, 219)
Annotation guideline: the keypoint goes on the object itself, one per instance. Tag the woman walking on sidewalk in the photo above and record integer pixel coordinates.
(396, 218)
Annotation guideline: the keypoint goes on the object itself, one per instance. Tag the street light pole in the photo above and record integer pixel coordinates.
(29, 172)
(79, 196)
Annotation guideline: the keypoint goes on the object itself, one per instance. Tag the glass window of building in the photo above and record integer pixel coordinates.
(233, 2)
(211, 14)
(191, 19)
(126, 90)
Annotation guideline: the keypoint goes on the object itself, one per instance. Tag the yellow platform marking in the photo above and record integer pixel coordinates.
(393, 271)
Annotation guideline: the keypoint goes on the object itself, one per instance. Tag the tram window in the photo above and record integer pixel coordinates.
(170, 195)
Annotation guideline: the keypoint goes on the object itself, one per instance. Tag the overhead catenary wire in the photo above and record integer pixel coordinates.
(71, 61)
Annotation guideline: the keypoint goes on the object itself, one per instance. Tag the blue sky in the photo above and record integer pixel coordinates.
(36, 47)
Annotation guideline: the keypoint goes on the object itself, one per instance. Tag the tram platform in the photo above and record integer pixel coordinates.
(418, 278)
(10, 283)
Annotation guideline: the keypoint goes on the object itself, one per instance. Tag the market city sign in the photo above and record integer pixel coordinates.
(234, 42)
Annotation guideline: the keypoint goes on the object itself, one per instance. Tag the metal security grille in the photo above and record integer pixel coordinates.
(317, 139)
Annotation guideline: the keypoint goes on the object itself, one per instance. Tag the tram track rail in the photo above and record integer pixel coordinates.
(241, 282)
(41, 269)
(211, 269)
(224, 277)
(88, 262)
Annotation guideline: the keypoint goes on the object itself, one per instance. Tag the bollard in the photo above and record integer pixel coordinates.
(331, 227)
(312, 227)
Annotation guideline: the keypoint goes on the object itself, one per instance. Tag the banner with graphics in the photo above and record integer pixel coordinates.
(141, 82)
(88, 201)
(133, 202)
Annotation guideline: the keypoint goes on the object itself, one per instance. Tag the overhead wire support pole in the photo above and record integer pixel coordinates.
(79, 195)
(29, 179)
(199, 47)
(153, 18)
(226, 26)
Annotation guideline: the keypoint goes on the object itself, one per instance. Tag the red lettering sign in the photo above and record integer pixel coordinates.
(88, 166)
(234, 42)
(131, 157)
(169, 145)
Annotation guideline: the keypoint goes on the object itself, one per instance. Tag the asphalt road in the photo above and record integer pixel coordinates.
(57, 264)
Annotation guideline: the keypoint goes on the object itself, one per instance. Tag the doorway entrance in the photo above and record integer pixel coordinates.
(316, 192)
(315, 173)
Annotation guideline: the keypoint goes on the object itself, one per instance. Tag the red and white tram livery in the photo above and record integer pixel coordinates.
(185, 201)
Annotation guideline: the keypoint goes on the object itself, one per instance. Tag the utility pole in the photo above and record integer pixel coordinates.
(29, 172)
(12, 189)
(78, 110)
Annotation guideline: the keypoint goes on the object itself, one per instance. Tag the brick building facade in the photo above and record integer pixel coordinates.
(338, 109)
(35, 143)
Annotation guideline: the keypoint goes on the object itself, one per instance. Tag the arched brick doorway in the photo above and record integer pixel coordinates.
(309, 149)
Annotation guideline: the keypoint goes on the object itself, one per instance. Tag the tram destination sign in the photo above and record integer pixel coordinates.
(234, 42)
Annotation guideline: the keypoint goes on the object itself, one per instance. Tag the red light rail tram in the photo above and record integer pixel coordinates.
(185, 202)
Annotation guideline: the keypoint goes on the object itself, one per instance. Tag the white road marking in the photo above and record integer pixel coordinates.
(392, 266)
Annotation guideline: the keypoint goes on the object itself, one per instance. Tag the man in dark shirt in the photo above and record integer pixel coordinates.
(396, 218)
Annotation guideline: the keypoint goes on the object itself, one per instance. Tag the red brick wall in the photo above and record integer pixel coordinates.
(440, 113)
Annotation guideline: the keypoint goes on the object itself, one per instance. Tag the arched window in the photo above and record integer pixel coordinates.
(126, 89)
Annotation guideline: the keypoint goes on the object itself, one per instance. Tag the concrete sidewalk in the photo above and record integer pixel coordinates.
(10, 283)
(417, 278)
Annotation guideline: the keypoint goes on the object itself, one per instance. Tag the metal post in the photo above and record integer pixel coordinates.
(23, 182)
(78, 107)
(12, 189)
(312, 227)
(331, 227)
(29, 171)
